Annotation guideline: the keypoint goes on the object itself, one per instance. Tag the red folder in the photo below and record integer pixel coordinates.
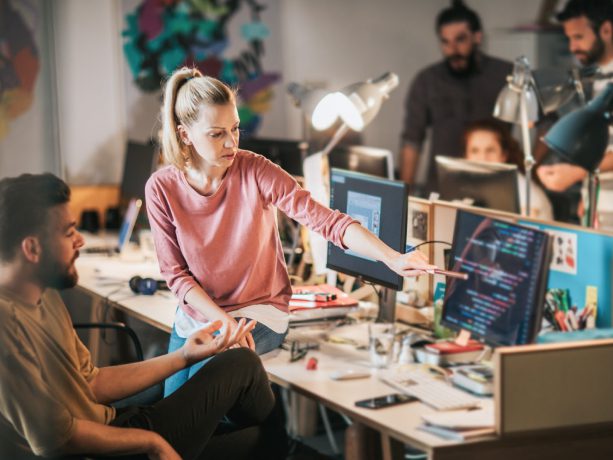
(449, 347)
(341, 299)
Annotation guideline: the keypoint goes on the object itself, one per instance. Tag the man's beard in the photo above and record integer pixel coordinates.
(469, 67)
(53, 275)
(593, 55)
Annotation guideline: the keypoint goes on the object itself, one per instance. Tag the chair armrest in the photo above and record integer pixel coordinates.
(117, 326)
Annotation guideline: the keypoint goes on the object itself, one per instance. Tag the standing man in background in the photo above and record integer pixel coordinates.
(445, 96)
(588, 25)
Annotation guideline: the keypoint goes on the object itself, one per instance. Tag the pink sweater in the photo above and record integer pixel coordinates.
(228, 242)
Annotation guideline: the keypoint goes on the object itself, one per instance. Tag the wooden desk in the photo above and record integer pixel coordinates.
(396, 424)
(105, 279)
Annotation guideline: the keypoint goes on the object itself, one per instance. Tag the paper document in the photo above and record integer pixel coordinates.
(463, 419)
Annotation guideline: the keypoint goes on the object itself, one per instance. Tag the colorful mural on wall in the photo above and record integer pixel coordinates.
(162, 35)
(19, 61)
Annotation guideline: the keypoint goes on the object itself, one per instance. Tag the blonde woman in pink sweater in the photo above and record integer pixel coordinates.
(212, 213)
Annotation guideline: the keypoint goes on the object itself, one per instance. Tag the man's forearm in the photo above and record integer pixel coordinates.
(117, 382)
(98, 439)
(409, 156)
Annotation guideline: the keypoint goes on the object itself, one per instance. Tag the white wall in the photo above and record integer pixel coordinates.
(30, 144)
(90, 94)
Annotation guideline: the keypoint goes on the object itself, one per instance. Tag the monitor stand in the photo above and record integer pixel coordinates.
(387, 305)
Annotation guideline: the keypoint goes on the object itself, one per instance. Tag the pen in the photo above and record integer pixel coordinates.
(450, 274)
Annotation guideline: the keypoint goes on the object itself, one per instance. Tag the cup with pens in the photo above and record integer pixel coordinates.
(563, 316)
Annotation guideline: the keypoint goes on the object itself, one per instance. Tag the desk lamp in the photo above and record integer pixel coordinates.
(518, 103)
(581, 138)
(356, 105)
(307, 99)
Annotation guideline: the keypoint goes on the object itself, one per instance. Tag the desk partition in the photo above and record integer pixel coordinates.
(538, 387)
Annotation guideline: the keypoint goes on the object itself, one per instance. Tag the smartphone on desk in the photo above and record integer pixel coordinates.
(385, 401)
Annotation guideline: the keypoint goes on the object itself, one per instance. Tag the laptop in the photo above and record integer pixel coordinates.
(125, 231)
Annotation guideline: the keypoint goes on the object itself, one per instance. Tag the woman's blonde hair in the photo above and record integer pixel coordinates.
(185, 92)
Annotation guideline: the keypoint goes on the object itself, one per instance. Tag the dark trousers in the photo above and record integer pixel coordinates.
(223, 411)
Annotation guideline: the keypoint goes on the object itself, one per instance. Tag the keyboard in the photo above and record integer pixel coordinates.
(429, 390)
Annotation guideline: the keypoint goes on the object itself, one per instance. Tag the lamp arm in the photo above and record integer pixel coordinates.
(338, 135)
(528, 158)
(578, 84)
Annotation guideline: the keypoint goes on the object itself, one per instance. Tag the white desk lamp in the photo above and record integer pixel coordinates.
(518, 103)
(356, 105)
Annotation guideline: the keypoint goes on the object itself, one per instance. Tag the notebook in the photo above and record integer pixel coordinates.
(125, 231)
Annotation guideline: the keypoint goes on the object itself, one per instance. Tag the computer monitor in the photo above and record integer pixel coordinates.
(378, 204)
(140, 162)
(488, 185)
(368, 160)
(286, 153)
(502, 301)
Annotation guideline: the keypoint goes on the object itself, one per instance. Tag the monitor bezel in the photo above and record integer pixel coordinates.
(449, 165)
(399, 280)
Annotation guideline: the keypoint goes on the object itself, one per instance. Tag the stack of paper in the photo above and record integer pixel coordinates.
(461, 425)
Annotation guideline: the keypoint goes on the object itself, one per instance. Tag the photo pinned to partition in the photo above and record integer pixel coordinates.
(565, 252)
(418, 289)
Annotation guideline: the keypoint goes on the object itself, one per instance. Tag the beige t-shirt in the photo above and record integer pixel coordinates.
(44, 375)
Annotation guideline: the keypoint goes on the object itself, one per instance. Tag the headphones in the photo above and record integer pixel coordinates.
(146, 286)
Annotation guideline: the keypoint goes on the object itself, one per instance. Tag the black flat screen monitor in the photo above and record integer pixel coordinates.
(140, 162)
(367, 160)
(502, 301)
(488, 185)
(380, 205)
(286, 153)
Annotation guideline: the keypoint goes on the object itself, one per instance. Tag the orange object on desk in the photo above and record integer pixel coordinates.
(448, 347)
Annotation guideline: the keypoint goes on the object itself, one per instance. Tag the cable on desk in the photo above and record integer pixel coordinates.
(430, 242)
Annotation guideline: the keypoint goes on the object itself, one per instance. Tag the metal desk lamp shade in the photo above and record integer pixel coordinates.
(519, 84)
(358, 104)
(581, 138)
(307, 99)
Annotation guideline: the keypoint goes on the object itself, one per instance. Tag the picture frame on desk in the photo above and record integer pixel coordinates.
(419, 230)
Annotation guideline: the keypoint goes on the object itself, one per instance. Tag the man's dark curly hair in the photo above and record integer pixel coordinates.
(24, 204)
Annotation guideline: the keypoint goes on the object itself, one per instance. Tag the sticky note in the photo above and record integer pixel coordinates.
(591, 296)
